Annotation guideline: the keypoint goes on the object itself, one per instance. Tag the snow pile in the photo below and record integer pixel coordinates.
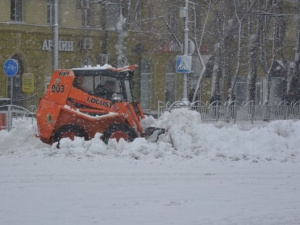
(98, 67)
(186, 137)
(278, 140)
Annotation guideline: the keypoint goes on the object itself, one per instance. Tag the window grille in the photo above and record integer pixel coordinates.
(84, 4)
(102, 59)
(50, 12)
(170, 89)
(146, 81)
(86, 17)
(241, 89)
(86, 61)
(112, 15)
(16, 11)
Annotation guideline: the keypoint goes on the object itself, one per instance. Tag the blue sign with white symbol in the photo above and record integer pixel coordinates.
(11, 67)
(183, 64)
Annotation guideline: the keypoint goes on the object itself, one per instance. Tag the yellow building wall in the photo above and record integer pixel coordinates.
(4, 10)
(70, 15)
(35, 12)
(27, 41)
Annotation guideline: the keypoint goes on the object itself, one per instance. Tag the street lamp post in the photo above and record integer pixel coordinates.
(55, 37)
(186, 42)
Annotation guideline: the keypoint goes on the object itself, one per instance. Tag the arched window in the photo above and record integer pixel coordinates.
(146, 83)
(170, 86)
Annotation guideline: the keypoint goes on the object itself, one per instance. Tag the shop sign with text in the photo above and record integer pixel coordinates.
(67, 46)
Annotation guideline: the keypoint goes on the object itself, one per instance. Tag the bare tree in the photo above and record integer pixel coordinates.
(217, 72)
(253, 44)
(293, 72)
(223, 30)
(267, 16)
(260, 21)
(199, 53)
(231, 89)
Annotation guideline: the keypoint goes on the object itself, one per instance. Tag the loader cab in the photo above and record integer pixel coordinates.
(107, 84)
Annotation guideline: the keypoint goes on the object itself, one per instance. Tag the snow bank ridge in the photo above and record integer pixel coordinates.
(186, 137)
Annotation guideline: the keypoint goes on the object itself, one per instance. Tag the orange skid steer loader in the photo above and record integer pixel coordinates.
(85, 101)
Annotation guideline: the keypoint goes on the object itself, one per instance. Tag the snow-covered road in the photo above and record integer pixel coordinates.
(36, 190)
(195, 174)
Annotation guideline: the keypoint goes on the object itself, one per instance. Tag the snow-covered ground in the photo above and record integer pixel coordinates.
(197, 173)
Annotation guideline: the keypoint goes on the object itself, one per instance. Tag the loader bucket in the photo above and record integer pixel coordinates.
(152, 133)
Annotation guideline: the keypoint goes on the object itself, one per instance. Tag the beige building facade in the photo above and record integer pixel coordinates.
(87, 36)
(152, 36)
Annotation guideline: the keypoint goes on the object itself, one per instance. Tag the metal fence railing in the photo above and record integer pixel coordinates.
(10, 112)
(214, 112)
(236, 112)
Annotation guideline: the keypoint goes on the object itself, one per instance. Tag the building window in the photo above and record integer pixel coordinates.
(146, 81)
(170, 88)
(102, 59)
(112, 15)
(86, 61)
(86, 17)
(276, 89)
(16, 13)
(50, 12)
(240, 89)
(86, 43)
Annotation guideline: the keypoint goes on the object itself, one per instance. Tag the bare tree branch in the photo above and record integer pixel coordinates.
(231, 91)
(199, 53)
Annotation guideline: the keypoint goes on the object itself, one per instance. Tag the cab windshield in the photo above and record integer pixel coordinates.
(128, 91)
(105, 87)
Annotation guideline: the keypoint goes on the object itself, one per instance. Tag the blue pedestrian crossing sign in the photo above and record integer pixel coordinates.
(183, 64)
(11, 67)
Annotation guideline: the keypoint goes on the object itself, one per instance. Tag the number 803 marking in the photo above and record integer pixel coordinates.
(58, 88)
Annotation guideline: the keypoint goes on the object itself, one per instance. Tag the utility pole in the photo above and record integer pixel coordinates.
(120, 29)
(186, 43)
(55, 37)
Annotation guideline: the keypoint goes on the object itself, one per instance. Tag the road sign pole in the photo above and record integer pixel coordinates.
(11, 68)
(186, 42)
(11, 90)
